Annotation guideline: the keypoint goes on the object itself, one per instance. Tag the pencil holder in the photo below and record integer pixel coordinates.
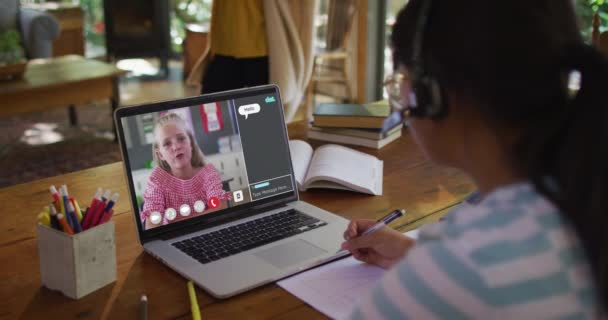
(77, 264)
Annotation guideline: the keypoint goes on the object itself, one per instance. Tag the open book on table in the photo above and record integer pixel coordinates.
(335, 167)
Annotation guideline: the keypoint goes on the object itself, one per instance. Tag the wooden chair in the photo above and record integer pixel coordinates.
(330, 64)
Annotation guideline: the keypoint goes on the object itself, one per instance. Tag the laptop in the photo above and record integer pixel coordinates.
(244, 226)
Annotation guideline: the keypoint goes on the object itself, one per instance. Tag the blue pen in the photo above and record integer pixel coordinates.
(111, 203)
(72, 212)
(64, 195)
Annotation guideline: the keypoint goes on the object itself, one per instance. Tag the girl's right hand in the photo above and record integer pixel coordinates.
(384, 248)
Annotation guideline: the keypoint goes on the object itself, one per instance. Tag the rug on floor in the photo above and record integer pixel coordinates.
(39, 145)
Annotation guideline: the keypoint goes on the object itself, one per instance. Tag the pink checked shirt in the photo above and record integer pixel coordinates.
(166, 191)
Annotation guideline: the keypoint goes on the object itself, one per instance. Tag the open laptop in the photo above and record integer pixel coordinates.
(261, 232)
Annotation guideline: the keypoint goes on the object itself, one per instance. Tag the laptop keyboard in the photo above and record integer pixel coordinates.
(246, 236)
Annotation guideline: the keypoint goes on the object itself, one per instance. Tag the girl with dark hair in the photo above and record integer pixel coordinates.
(508, 92)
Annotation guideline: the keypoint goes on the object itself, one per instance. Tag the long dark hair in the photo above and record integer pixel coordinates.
(513, 57)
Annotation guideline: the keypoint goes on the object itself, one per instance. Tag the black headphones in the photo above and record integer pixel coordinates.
(428, 98)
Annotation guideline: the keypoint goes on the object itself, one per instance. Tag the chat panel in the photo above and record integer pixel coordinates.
(270, 188)
(265, 147)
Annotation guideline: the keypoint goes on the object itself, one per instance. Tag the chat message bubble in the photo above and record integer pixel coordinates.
(248, 109)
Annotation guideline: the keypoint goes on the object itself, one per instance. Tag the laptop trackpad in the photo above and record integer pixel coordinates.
(289, 253)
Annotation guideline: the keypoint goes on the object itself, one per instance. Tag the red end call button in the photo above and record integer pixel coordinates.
(213, 202)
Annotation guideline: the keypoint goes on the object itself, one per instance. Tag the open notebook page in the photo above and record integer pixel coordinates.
(301, 153)
(335, 288)
(334, 162)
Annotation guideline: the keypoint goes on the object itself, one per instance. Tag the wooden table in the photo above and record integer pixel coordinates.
(60, 82)
(425, 190)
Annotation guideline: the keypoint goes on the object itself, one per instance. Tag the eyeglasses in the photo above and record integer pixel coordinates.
(398, 103)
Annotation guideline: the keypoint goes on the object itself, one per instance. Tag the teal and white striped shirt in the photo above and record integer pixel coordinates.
(509, 257)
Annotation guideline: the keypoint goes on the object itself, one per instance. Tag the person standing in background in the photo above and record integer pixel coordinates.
(239, 51)
(247, 35)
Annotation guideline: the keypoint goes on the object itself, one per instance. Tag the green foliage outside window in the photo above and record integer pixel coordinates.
(585, 9)
(93, 24)
(184, 12)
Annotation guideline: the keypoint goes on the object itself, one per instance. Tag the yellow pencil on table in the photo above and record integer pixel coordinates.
(196, 313)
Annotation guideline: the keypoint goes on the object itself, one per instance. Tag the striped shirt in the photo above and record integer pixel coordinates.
(165, 191)
(509, 257)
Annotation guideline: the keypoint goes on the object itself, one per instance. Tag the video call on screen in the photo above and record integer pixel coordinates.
(242, 139)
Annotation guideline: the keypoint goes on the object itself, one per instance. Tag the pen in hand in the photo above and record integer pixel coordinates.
(381, 223)
(384, 221)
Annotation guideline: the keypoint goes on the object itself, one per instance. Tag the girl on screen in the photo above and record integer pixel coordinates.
(182, 185)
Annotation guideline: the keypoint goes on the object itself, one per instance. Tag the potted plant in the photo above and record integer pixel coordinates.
(12, 58)
(10, 49)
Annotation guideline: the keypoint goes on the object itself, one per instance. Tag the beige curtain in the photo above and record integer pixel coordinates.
(290, 32)
(339, 21)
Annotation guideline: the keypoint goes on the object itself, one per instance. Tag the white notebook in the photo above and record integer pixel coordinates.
(335, 288)
(335, 167)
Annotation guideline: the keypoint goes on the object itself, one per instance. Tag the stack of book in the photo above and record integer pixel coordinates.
(367, 125)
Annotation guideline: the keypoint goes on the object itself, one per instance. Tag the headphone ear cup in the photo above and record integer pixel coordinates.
(430, 99)
(438, 103)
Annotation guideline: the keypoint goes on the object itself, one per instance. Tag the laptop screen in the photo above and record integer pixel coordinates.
(205, 156)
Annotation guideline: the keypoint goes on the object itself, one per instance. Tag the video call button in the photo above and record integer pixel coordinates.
(238, 195)
(170, 214)
(199, 206)
(213, 202)
(184, 210)
(155, 217)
